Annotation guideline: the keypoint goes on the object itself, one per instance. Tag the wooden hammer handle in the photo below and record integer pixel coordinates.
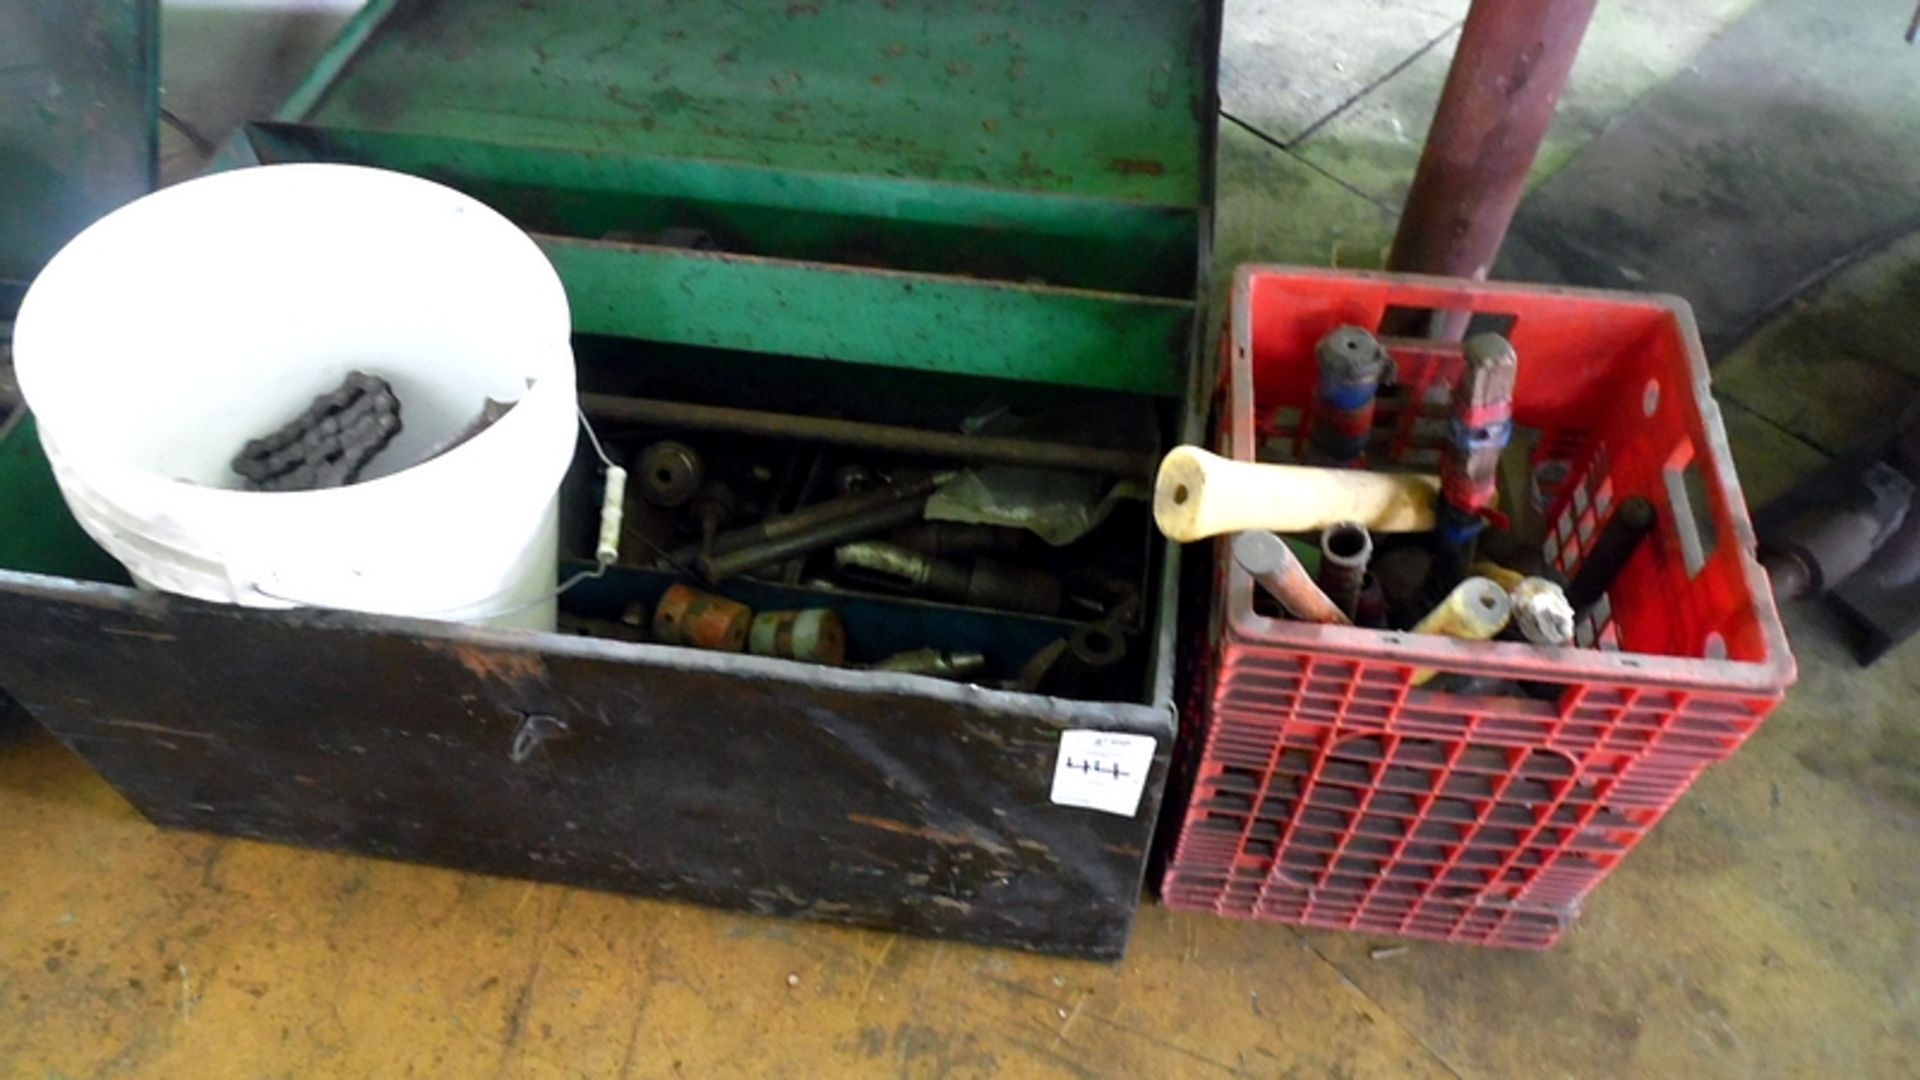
(1199, 494)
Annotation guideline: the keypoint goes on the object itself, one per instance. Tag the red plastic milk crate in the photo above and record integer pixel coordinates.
(1329, 791)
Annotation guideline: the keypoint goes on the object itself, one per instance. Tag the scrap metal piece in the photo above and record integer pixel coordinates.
(985, 583)
(956, 539)
(327, 445)
(635, 614)
(713, 507)
(671, 473)
(940, 665)
(1088, 662)
(822, 525)
(490, 413)
(1034, 672)
(854, 480)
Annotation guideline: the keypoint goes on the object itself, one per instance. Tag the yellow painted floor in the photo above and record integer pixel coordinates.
(1766, 928)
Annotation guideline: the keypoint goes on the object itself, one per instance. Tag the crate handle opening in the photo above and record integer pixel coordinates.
(1692, 513)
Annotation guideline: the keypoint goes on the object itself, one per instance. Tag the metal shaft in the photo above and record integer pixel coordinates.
(1274, 566)
(969, 449)
(1629, 524)
(803, 521)
(1345, 551)
(731, 560)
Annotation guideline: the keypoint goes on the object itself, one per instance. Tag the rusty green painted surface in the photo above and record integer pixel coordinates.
(1022, 157)
(79, 100)
(1100, 98)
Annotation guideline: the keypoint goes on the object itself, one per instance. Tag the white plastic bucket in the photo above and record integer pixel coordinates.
(172, 331)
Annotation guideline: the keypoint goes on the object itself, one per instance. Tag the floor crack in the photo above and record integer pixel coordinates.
(1376, 1003)
(1376, 84)
(1381, 205)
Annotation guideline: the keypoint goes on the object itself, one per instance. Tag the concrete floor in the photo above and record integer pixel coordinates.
(1766, 928)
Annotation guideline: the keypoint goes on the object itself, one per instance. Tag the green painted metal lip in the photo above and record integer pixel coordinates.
(79, 108)
(929, 322)
(926, 225)
(1101, 98)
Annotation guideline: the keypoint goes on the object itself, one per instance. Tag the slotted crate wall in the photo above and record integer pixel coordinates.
(1329, 789)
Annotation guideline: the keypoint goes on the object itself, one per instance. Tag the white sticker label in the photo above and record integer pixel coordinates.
(1102, 770)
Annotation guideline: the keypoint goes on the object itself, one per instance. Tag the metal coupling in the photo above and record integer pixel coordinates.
(671, 473)
(815, 635)
(687, 616)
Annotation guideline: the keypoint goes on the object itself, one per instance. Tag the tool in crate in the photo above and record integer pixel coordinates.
(1577, 626)
(1198, 494)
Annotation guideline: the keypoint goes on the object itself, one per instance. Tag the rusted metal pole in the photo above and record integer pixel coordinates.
(972, 449)
(1507, 74)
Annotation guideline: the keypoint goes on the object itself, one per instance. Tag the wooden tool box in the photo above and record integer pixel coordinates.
(886, 213)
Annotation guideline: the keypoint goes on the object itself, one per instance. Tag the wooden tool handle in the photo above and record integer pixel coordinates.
(1200, 495)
